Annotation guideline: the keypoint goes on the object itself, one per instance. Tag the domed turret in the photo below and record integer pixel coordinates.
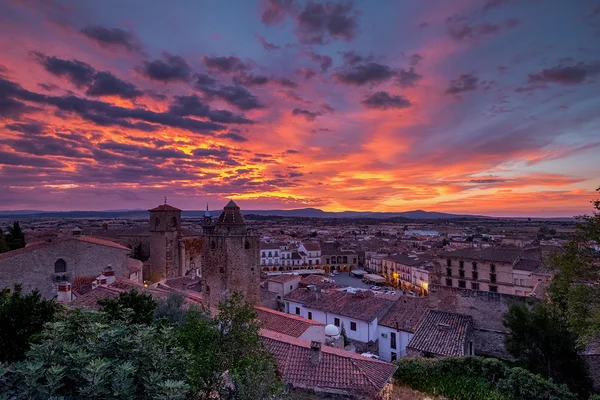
(231, 221)
(331, 331)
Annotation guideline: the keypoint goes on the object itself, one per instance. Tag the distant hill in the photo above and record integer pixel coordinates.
(297, 213)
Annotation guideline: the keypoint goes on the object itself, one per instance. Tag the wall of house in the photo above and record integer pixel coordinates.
(385, 349)
(504, 274)
(315, 332)
(34, 269)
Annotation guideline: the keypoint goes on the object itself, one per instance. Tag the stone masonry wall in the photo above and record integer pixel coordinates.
(35, 269)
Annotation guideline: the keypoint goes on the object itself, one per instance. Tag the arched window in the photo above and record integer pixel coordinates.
(174, 222)
(60, 266)
(345, 260)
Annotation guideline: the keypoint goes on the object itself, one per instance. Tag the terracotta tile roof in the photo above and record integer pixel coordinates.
(287, 324)
(405, 314)
(269, 246)
(44, 244)
(337, 371)
(527, 265)
(363, 306)
(443, 333)
(283, 278)
(312, 246)
(494, 254)
(90, 299)
(165, 207)
(134, 265)
(311, 280)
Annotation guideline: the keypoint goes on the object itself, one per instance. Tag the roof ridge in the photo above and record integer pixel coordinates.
(363, 373)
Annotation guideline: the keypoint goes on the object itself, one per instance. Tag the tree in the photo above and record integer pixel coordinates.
(15, 237)
(344, 336)
(540, 339)
(22, 318)
(575, 289)
(3, 244)
(88, 355)
(227, 349)
(171, 309)
(133, 306)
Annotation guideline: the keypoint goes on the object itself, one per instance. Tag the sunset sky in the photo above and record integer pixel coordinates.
(469, 106)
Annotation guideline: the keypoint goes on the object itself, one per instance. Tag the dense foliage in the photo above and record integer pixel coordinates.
(121, 352)
(88, 355)
(15, 238)
(133, 306)
(574, 290)
(22, 317)
(540, 339)
(476, 378)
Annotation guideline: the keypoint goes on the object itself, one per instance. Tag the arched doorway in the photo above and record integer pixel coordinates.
(265, 269)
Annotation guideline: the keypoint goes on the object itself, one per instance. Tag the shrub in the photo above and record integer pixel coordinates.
(471, 378)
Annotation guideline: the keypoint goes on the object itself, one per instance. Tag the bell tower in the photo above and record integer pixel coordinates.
(165, 233)
(230, 259)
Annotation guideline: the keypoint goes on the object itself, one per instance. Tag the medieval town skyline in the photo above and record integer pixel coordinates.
(484, 107)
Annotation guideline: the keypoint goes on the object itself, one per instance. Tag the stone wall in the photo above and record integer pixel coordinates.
(231, 264)
(34, 268)
(487, 310)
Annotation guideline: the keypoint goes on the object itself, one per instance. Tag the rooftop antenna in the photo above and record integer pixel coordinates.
(207, 206)
(165, 200)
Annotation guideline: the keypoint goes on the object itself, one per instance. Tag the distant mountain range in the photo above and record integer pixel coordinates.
(297, 213)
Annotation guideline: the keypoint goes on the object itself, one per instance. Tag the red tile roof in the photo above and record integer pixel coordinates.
(41, 245)
(405, 314)
(363, 306)
(312, 246)
(90, 299)
(337, 371)
(287, 324)
(443, 333)
(134, 265)
(283, 278)
(165, 207)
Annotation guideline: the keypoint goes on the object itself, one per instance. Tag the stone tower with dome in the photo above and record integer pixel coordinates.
(230, 258)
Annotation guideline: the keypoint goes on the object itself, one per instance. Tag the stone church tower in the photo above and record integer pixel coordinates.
(165, 234)
(230, 259)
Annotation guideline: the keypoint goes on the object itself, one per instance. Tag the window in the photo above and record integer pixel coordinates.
(448, 262)
(336, 322)
(475, 275)
(474, 285)
(345, 259)
(247, 245)
(461, 264)
(354, 260)
(448, 271)
(493, 267)
(309, 315)
(207, 289)
(394, 356)
(213, 245)
(393, 340)
(297, 310)
(461, 273)
(474, 265)
(60, 266)
(462, 284)
(353, 326)
(492, 277)
(448, 282)
(309, 262)
(516, 281)
(174, 222)
(494, 289)
(264, 254)
(522, 282)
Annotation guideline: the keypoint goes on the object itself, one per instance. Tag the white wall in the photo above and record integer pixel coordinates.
(316, 333)
(364, 331)
(385, 350)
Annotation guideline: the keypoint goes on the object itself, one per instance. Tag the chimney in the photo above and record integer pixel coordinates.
(315, 352)
(63, 292)
(109, 273)
(100, 281)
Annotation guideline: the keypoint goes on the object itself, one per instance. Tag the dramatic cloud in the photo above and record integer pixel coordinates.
(323, 60)
(234, 95)
(309, 115)
(30, 128)
(566, 75)
(464, 83)
(171, 69)
(275, 11)
(408, 78)
(459, 30)
(320, 22)
(352, 58)
(225, 65)
(192, 105)
(235, 136)
(364, 73)
(383, 101)
(260, 80)
(266, 45)
(112, 37)
(84, 75)
(415, 59)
